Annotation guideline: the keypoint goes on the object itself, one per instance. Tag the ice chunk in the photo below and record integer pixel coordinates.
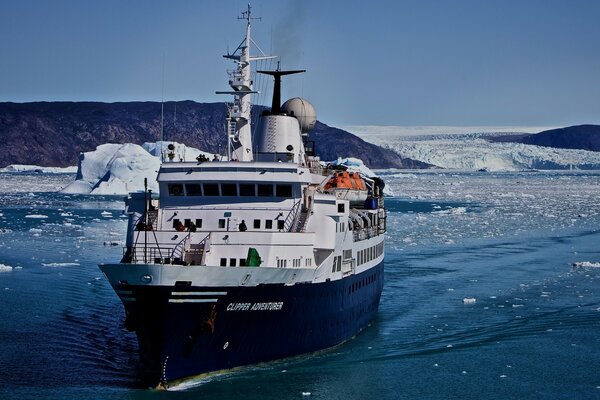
(38, 216)
(469, 300)
(586, 264)
(37, 168)
(58, 264)
(5, 268)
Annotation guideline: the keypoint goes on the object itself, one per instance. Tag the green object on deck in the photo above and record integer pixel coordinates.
(253, 259)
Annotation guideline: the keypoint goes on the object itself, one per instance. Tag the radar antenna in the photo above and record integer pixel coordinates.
(277, 74)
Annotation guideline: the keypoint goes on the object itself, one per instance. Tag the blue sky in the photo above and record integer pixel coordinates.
(424, 62)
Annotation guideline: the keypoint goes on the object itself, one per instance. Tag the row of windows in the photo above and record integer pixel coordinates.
(197, 223)
(369, 253)
(230, 189)
(362, 283)
(294, 263)
(233, 262)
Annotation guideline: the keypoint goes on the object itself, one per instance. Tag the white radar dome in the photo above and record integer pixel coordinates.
(303, 111)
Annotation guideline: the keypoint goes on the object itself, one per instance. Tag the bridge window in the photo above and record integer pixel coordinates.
(193, 189)
(232, 262)
(198, 222)
(283, 190)
(247, 190)
(257, 224)
(341, 207)
(223, 262)
(268, 224)
(229, 189)
(221, 224)
(175, 189)
(211, 189)
(176, 222)
(280, 224)
(265, 190)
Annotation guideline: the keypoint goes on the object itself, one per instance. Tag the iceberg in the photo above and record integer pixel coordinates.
(119, 169)
(355, 165)
(115, 169)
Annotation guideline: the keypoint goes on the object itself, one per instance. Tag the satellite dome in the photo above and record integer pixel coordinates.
(303, 111)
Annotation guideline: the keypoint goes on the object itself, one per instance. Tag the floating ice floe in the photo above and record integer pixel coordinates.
(5, 268)
(586, 264)
(469, 300)
(38, 216)
(58, 264)
(37, 168)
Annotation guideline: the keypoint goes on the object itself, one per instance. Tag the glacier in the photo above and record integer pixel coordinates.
(468, 148)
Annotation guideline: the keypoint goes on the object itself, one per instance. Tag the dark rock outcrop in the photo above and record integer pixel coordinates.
(54, 133)
(584, 137)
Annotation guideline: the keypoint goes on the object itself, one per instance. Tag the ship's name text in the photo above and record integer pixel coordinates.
(269, 306)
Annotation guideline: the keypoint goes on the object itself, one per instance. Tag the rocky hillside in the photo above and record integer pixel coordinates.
(54, 133)
(584, 137)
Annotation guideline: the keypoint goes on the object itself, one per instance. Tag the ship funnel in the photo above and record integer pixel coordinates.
(277, 74)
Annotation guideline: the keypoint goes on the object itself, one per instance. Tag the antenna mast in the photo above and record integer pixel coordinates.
(239, 135)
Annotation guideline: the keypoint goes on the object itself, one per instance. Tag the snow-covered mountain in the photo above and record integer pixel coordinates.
(467, 148)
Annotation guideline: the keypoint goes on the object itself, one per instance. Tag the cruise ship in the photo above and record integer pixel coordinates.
(264, 254)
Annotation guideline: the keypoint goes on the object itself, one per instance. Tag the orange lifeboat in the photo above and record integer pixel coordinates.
(347, 186)
(346, 180)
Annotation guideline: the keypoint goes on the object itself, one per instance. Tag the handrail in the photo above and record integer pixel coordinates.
(180, 246)
(292, 216)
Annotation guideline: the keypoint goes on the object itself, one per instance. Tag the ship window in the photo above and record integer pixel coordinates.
(228, 189)
(223, 262)
(175, 189)
(247, 189)
(211, 189)
(198, 222)
(193, 189)
(265, 190)
(284, 190)
(221, 224)
(242, 262)
(257, 224)
(187, 222)
(280, 224)
(268, 224)
(232, 262)
(176, 222)
(341, 207)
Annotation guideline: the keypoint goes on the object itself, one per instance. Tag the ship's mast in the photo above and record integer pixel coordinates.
(239, 137)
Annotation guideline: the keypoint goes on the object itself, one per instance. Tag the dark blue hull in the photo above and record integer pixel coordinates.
(187, 331)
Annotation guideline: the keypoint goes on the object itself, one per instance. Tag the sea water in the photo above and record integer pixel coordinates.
(491, 291)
